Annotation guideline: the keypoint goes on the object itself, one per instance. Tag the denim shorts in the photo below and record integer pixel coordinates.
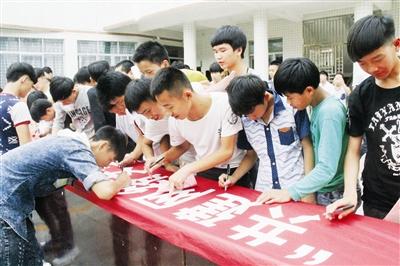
(327, 198)
(16, 251)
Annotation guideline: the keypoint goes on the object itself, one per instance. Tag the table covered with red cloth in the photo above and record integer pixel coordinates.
(225, 227)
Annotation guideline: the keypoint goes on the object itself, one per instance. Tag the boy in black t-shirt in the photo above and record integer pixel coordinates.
(374, 109)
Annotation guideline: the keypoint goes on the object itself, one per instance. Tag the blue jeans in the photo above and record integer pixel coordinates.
(330, 197)
(15, 251)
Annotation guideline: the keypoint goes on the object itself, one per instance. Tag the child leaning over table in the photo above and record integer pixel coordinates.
(298, 79)
(23, 179)
(274, 132)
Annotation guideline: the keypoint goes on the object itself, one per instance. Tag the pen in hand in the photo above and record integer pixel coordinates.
(228, 172)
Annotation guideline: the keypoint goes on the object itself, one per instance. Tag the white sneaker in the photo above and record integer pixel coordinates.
(45, 263)
(67, 258)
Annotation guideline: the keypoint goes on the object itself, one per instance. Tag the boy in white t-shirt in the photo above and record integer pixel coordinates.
(204, 120)
(156, 134)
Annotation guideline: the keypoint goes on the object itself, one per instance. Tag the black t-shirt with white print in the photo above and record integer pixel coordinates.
(375, 111)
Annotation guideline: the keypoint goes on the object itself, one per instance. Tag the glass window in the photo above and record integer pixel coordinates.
(30, 45)
(112, 52)
(35, 51)
(126, 48)
(9, 44)
(53, 46)
(275, 50)
(87, 47)
(108, 47)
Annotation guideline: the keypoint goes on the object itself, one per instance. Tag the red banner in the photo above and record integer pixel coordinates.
(229, 229)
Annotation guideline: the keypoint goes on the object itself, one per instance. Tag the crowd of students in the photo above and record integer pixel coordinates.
(236, 130)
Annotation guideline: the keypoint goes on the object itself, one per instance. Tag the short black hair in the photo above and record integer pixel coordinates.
(151, 51)
(125, 65)
(82, 76)
(61, 88)
(109, 86)
(137, 92)
(117, 140)
(170, 79)
(231, 35)
(368, 34)
(215, 67)
(323, 72)
(47, 69)
(39, 72)
(39, 109)
(98, 68)
(180, 65)
(275, 63)
(17, 70)
(294, 75)
(244, 93)
(33, 96)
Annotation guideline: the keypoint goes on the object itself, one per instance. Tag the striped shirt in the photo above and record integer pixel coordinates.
(277, 144)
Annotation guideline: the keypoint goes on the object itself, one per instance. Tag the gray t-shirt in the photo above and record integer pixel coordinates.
(80, 113)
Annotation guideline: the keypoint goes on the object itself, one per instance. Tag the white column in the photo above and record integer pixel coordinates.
(70, 55)
(260, 29)
(189, 44)
(396, 15)
(362, 9)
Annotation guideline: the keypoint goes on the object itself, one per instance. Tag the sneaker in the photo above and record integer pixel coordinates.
(45, 263)
(67, 257)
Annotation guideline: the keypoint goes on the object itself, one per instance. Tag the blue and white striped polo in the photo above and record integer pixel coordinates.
(277, 144)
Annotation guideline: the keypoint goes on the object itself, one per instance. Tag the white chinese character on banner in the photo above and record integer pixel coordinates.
(226, 207)
(143, 184)
(166, 200)
(260, 235)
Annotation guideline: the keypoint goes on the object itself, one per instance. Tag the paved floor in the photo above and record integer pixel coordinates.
(126, 245)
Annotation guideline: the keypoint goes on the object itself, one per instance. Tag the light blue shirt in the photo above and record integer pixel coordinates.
(328, 124)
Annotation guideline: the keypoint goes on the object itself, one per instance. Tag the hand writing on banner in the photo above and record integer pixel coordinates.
(128, 160)
(153, 163)
(274, 196)
(226, 181)
(177, 179)
(333, 208)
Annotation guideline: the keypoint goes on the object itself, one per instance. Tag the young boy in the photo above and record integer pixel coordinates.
(15, 117)
(53, 209)
(73, 101)
(228, 45)
(274, 132)
(216, 72)
(298, 79)
(23, 178)
(110, 91)
(42, 109)
(100, 117)
(155, 133)
(325, 84)
(43, 82)
(125, 67)
(204, 120)
(374, 110)
(151, 56)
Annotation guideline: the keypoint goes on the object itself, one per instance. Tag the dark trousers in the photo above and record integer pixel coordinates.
(248, 180)
(53, 210)
(16, 251)
(373, 212)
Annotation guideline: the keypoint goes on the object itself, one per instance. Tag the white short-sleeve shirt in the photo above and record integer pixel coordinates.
(205, 134)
